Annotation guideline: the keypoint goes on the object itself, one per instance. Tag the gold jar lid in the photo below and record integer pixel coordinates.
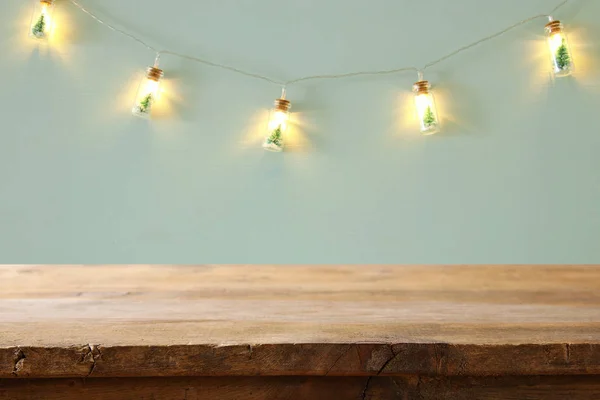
(154, 73)
(283, 105)
(554, 27)
(421, 87)
(48, 2)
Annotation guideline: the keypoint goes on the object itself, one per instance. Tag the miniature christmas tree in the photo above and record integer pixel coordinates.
(429, 118)
(39, 27)
(146, 104)
(276, 137)
(563, 60)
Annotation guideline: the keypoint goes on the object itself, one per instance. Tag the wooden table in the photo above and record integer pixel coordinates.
(299, 332)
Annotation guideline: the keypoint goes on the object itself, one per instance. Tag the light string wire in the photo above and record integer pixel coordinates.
(283, 83)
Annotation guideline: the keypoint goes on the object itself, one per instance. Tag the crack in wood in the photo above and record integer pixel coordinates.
(93, 366)
(338, 359)
(18, 362)
(364, 392)
(385, 364)
(92, 357)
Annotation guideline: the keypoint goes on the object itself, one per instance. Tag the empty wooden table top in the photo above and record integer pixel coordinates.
(247, 320)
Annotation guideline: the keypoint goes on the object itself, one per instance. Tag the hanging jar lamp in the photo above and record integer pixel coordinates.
(560, 54)
(148, 91)
(278, 124)
(426, 109)
(41, 19)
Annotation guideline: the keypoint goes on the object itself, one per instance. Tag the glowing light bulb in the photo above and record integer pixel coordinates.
(426, 110)
(278, 124)
(562, 60)
(148, 93)
(41, 20)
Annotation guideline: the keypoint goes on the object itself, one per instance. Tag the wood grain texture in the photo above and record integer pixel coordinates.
(306, 388)
(364, 359)
(152, 321)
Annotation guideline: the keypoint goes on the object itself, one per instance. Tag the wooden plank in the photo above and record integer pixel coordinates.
(433, 359)
(513, 284)
(306, 388)
(122, 321)
(114, 332)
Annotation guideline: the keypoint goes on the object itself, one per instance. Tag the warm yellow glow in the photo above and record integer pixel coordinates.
(423, 101)
(560, 54)
(55, 47)
(296, 134)
(170, 100)
(149, 86)
(45, 11)
(404, 116)
(254, 131)
(41, 22)
(582, 46)
(146, 97)
(279, 119)
(278, 124)
(555, 41)
(427, 113)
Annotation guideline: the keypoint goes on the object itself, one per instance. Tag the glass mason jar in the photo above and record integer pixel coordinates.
(426, 110)
(562, 60)
(147, 93)
(278, 124)
(41, 19)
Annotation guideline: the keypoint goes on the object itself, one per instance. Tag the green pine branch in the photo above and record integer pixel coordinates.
(39, 27)
(146, 103)
(429, 117)
(563, 59)
(276, 137)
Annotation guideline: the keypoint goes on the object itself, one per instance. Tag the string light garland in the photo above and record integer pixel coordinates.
(560, 54)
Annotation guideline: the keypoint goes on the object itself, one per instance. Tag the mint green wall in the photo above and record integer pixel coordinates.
(513, 178)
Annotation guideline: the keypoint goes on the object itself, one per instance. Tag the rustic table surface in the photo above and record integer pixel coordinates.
(299, 332)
